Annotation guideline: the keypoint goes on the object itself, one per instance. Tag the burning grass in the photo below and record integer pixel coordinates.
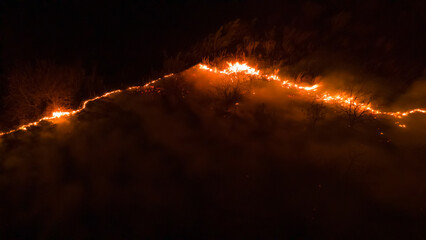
(352, 104)
(196, 145)
(209, 144)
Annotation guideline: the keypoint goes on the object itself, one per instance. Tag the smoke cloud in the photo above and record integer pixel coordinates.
(198, 156)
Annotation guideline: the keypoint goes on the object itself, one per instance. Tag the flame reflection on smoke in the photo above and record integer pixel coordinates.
(341, 99)
(59, 114)
(241, 68)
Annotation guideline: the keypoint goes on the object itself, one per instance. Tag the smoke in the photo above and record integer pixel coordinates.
(414, 96)
(206, 157)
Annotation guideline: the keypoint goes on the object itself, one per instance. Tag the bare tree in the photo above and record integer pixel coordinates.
(40, 88)
(355, 108)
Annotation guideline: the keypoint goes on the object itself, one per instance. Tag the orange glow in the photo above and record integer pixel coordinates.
(240, 68)
(59, 113)
(343, 99)
(233, 68)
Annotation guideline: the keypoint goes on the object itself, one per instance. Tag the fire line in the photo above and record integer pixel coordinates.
(237, 68)
(342, 99)
(58, 114)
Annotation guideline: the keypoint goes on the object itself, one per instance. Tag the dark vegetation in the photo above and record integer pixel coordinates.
(189, 162)
(198, 156)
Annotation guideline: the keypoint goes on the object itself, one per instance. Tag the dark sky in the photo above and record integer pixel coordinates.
(114, 34)
(129, 36)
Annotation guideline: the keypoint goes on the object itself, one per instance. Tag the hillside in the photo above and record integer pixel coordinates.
(206, 155)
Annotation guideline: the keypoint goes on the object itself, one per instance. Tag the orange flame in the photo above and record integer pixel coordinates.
(341, 99)
(234, 68)
(59, 114)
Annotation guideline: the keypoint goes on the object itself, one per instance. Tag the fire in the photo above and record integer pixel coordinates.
(59, 113)
(341, 99)
(240, 68)
(237, 68)
(233, 68)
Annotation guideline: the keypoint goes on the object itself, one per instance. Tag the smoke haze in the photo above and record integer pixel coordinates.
(184, 160)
